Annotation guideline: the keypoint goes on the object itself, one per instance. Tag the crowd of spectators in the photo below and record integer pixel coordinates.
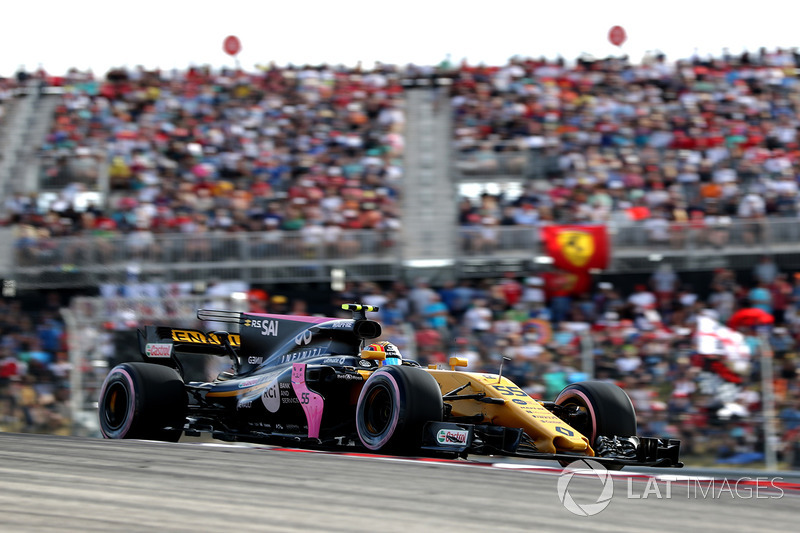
(314, 150)
(34, 367)
(693, 143)
(699, 142)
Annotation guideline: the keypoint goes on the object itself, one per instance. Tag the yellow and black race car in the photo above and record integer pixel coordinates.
(319, 382)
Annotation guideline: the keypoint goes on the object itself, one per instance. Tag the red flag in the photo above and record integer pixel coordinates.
(562, 283)
(576, 248)
(638, 212)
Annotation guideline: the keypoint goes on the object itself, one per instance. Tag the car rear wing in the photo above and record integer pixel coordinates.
(161, 344)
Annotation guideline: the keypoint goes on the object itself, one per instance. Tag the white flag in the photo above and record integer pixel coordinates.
(712, 338)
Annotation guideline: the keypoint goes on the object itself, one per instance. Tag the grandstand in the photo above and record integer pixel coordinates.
(404, 179)
(90, 159)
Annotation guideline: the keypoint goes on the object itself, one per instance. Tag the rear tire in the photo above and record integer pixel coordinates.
(142, 400)
(393, 407)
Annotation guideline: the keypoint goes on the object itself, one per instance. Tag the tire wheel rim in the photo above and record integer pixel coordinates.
(585, 428)
(115, 406)
(378, 412)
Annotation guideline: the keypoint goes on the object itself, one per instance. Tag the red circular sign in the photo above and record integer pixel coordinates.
(617, 35)
(232, 45)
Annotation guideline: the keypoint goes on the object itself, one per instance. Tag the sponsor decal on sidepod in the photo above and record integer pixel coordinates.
(272, 397)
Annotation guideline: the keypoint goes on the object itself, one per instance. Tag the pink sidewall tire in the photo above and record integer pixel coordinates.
(394, 405)
(142, 401)
(609, 410)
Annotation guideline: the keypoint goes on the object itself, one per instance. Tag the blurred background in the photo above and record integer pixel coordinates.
(597, 217)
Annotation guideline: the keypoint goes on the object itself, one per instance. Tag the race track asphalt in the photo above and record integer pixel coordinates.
(65, 484)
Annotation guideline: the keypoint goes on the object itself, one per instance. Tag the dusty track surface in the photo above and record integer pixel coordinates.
(50, 483)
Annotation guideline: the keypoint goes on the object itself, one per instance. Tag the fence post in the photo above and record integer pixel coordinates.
(76, 373)
(587, 353)
(767, 400)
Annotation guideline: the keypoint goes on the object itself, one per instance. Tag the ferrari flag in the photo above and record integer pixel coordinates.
(576, 248)
(561, 282)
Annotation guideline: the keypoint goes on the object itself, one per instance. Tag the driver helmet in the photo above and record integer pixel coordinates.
(393, 356)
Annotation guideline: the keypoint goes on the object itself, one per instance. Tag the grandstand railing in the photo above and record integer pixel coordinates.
(60, 170)
(737, 244)
(211, 247)
(292, 256)
(505, 160)
(511, 161)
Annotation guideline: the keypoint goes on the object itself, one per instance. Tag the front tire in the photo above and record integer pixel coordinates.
(607, 409)
(393, 407)
(142, 401)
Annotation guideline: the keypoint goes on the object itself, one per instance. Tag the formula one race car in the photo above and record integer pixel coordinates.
(317, 382)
